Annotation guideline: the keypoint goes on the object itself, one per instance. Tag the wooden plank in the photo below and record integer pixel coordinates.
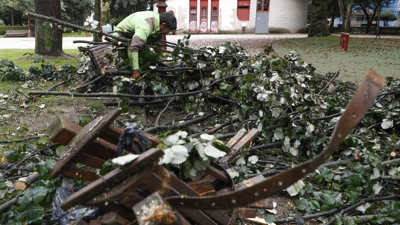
(90, 160)
(63, 131)
(121, 190)
(83, 140)
(112, 178)
(105, 147)
(203, 187)
(242, 185)
(246, 213)
(79, 173)
(159, 183)
(180, 188)
(95, 222)
(131, 199)
(244, 140)
(235, 139)
(262, 203)
(112, 218)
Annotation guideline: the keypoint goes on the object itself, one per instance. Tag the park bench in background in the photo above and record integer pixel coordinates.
(387, 30)
(16, 33)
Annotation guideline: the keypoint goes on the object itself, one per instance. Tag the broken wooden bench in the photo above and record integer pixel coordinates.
(121, 191)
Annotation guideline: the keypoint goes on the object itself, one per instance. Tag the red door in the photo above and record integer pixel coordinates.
(193, 16)
(203, 16)
(214, 16)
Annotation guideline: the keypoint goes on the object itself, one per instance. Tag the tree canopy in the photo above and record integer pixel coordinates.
(116, 10)
(387, 16)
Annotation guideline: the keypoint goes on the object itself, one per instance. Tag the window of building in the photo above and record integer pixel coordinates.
(262, 5)
(243, 10)
(360, 18)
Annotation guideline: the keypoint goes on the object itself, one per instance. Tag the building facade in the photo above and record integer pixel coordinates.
(240, 16)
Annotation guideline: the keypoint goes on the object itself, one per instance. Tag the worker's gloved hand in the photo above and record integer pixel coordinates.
(136, 74)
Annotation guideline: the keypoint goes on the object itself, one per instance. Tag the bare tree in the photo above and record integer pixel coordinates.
(345, 7)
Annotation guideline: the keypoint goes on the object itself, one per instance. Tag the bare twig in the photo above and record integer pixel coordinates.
(23, 139)
(197, 120)
(308, 217)
(89, 83)
(327, 85)
(15, 165)
(343, 211)
(165, 108)
(8, 204)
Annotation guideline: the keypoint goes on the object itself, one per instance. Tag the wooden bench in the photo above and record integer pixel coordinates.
(16, 33)
(116, 193)
(100, 56)
(387, 30)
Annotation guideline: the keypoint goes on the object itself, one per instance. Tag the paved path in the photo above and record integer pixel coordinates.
(196, 39)
(29, 43)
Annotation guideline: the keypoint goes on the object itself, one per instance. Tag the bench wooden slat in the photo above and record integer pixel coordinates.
(112, 178)
(83, 140)
(16, 33)
(79, 173)
(237, 142)
(388, 30)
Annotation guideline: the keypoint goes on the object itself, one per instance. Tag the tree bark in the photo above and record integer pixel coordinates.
(48, 36)
(23, 183)
(319, 19)
(97, 16)
(8, 204)
(345, 7)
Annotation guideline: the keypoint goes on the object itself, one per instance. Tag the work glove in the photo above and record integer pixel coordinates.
(136, 74)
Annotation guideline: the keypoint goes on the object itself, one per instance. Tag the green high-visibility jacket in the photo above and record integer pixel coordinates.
(142, 24)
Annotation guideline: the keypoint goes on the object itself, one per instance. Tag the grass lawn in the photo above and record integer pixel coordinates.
(25, 58)
(326, 55)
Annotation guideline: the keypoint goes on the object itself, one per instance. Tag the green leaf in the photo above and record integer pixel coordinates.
(32, 215)
(201, 165)
(43, 140)
(85, 119)
(329, 200)
(270, 218)
(31, 195)
(45, 168)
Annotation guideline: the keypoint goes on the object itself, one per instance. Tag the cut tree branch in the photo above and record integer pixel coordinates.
(179, 126)
(54, 20)
(23, 183)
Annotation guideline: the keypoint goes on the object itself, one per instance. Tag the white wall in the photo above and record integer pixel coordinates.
(290, 15)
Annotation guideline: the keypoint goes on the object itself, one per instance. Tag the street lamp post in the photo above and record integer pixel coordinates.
(30, 34)
(162, 7)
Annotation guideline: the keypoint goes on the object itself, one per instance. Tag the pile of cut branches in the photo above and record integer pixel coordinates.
(227, 89)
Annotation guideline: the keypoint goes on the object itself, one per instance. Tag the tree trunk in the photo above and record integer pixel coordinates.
(345, 7)
(48, 36)
(97, 16)
(319, 19)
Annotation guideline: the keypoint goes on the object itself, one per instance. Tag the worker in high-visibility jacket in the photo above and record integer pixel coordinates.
(142, 25)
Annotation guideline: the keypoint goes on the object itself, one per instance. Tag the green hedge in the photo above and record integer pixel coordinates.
(4, 28)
